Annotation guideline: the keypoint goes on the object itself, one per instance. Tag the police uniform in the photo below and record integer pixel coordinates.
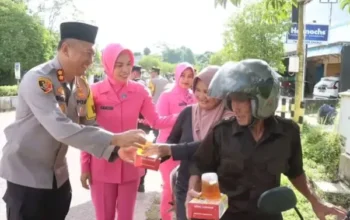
(47, 116)
(157, 85)
(138, 69)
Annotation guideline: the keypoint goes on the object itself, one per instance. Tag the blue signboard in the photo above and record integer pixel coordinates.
(314, 33)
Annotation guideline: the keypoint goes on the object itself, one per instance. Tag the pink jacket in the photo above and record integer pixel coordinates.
(172, 101)
(117, 109)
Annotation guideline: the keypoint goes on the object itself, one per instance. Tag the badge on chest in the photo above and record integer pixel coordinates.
(61, 99)
(104, 107)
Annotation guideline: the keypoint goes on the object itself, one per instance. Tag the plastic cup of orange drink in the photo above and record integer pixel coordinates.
(210, 186)
(143, 161)
(149, 141)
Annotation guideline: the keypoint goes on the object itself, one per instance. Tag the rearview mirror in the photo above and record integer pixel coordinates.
(277, 200)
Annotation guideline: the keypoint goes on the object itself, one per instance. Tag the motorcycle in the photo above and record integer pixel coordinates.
(281, 199)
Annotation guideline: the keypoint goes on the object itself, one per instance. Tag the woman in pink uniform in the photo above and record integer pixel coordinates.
(171, 102)
(118, 103)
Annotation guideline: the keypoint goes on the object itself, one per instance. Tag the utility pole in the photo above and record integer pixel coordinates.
(299, 78)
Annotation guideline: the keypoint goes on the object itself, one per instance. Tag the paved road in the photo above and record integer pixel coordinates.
(81, 208)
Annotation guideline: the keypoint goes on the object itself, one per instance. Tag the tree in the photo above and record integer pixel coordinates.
(54, 12)
(275, 11)
(146, 51)
(187, 55)
(248, 36)
(177, 55)
(202, 60)
(23, 39)
(345, 4)
(220, 57)
(223, 3)
(167, 67)
(280, 9)
(137, 54)
(147, 62)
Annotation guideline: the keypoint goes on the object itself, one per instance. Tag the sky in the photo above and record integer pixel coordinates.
(137, 24)
(196, 24)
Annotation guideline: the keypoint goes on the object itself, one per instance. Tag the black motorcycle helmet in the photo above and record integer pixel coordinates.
(251, 79)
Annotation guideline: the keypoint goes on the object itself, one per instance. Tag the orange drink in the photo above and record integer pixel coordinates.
(210, 186)
(148, 162)
(150, 138)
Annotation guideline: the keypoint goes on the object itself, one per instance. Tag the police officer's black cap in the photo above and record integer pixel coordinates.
(155, 69)
(136, 68)
(79, 31)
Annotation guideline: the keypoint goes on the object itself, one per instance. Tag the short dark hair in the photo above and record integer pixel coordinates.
(59, 46)
(138, 71)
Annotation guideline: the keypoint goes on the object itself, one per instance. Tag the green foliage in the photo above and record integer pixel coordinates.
(8, 90)
(247, 35)
(323, 148)
(23, 39)
(223, 3)
(177, 55)
(277, 10)
(321, 160)
(303, 204)
(167, 67)
(220, 57)
(345, 4)
(274, 12)
(147, 62)
(202, 60)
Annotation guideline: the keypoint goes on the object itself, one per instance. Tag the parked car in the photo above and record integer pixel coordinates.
(327, 87)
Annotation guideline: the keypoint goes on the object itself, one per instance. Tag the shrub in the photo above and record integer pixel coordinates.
(322, 151)
(8, 90)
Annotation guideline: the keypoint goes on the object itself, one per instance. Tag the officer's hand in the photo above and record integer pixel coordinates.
(85, 180)
(131, 138)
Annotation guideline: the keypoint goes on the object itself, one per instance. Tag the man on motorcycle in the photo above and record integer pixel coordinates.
(250, 151)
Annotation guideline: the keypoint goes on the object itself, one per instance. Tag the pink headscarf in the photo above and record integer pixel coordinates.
(203, 120)
(109, 55)
(186, 93)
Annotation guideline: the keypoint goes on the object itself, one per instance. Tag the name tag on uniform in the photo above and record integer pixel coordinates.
(106, 108)
(182, 104)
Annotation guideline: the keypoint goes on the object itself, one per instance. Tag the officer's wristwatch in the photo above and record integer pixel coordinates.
(114, 154)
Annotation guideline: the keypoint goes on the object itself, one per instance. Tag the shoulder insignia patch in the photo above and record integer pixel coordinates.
(45, 84)
(60, 75)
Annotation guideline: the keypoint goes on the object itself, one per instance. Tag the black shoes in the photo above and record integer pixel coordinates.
(141, 188)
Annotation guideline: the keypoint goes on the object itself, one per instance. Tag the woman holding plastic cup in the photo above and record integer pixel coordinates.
(118, 103)
(190, 128)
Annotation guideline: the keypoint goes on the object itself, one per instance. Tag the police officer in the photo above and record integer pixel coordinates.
(52, 98)
(156, 84)
(136, 74)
